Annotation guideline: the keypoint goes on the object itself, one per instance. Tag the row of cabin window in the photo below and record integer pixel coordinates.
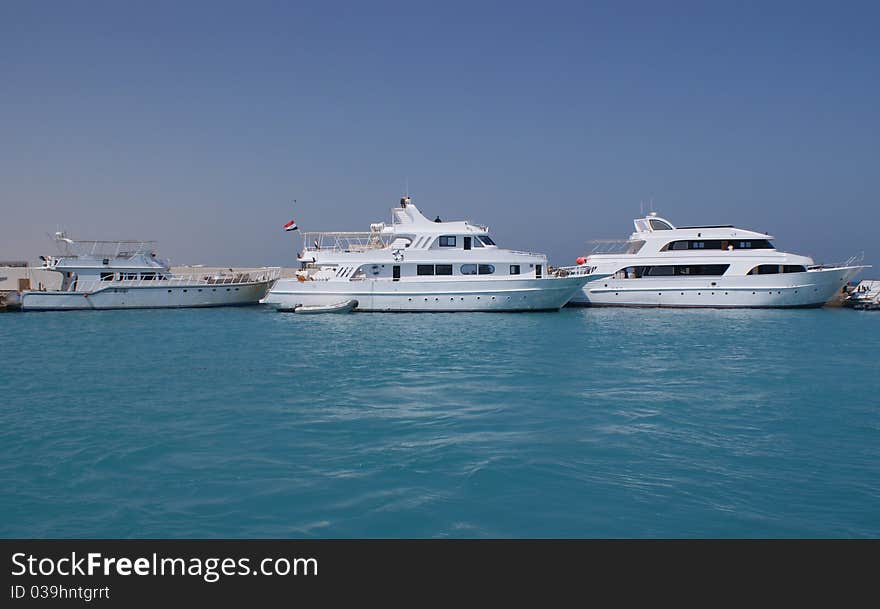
(637, 272)
(464, 269)
(129, 276)
(717, 244)
(477, 240)
(773, 269)
(670, 270)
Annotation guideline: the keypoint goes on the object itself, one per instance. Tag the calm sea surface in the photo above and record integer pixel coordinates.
(599, 422)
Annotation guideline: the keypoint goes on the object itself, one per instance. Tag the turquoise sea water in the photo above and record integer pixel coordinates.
(585, 423)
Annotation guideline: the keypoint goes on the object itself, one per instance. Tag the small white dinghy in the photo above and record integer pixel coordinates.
(345, 306)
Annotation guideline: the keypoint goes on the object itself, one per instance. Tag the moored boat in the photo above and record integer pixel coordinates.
(418, 265)
(662, 265)
(129, 275)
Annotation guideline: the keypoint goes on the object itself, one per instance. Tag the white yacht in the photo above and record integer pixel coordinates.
(662, 265)
(128, 275)
(416, 264)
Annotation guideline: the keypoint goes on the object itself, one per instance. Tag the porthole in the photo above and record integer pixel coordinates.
(200, 289)
(169, 291)
(186, 291)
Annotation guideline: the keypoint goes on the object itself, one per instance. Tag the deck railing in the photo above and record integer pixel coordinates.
(198, 280)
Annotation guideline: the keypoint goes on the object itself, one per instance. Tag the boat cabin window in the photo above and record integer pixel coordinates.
(514, 269)
(477, 242)
(468, 269)
(148, 276)
(447, 241)
(486, 240)
(107, 276)
(670, 270)
(430, 269)
(486, 269)
(659, 224)
(773, 269)
(718, 244)
(467, 243)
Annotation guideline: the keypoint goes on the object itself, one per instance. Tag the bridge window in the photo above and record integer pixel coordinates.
(468, 269)
(425, 269)
(149, 276)
(477, 242)
(659, 224)
(514, 269)
(107, 276)
(486, 269)
(486, 240)
(718, 244)
(443, 269)
(447, 241)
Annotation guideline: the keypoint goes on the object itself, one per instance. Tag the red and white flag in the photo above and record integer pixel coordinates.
(290, 226)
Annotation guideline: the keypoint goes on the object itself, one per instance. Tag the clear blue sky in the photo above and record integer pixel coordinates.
(198, 123)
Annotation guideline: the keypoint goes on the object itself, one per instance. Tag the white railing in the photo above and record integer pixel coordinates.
(198, 280)
(345, 242)
(581, 270)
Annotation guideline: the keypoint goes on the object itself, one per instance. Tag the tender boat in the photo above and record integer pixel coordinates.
(128, 275)
(662, 265)
(416, 264)
(345, 306)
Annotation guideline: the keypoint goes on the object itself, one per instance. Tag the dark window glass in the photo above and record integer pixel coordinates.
(486, 269)
(678, 245)
(443, 269)
(485, 239)
(148, 276)
(514, 269)
(659, 225)
(447, 241)
(468, 269)
(678, 269)
(765, 269)
(467, 243)
(794, 268)
(659, 271)
(106, 276)
(425, 269)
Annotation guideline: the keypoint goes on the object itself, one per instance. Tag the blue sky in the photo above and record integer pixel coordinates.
(197, 124)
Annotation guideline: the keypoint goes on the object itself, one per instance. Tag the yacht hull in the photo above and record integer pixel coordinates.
(547, 294)
(808, 289)
(147, 297)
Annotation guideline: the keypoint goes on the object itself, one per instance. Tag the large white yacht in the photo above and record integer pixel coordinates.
(416, 264)
(662, 265)
(128, 275)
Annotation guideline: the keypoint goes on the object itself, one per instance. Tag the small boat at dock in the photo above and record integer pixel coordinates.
(344, 306)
